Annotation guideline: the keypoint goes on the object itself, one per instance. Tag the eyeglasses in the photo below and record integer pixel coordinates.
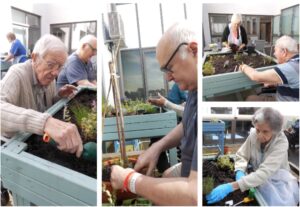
(52, 65)
(93, 49)
(165, 68)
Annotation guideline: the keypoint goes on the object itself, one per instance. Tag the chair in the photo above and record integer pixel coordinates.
(260, 45)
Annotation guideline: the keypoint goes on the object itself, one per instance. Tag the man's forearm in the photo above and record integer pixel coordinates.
(169, 191)
(172, 139)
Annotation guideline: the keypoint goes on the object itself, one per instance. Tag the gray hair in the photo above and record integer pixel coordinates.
(286, 42)
(270, 116)
(181, 32)
(87, 39)
(48, 43)
(236, 18)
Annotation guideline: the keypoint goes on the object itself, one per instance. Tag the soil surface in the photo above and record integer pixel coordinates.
(221, 66)
(49, 152)
(221, 176)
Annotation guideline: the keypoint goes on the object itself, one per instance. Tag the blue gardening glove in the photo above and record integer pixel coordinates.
(239, 174)
(219, 193)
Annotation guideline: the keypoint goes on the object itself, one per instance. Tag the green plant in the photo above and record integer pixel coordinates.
(208, 185)
(268, 60)
(238, 57)
(224, 162)
(86, 119)
(208, 68)
(89, 126)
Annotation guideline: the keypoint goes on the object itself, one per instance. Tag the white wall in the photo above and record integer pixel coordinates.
(247, 8)
(51, 13)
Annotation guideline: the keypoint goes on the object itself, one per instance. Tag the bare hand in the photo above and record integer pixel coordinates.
(67, 91)
(66, 136)
(118, 175)
(159, 101)
(148, 160)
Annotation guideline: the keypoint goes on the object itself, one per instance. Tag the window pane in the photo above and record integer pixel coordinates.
(296, 21)
(150, 35)
(33, 21)
(218, 24)
(132, 74)
(276, 24)
(172, 12)
(221, 110)
(286, 21)
(128, 15)
(63, 32)
(79, 30)
(155, 78)
(18, 16)
(21, 34)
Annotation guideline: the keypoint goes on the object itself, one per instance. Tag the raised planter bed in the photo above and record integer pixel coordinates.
(225, 175)
(39, 174)
(230, 82)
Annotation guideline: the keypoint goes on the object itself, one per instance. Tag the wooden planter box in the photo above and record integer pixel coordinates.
(227, 83)
(143, 126)
(36, 181)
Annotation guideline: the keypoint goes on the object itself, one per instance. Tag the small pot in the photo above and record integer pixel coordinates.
(251, 49)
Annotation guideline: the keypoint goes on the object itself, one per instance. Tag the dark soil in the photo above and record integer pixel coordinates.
(221, 176)
(254, 60)
(49, 152)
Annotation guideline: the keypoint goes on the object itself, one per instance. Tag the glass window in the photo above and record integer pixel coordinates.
(71, 33)
(295, 28)
(154, 77)
(286, 21)
(18, 16)
(221, 110)
(276, 25)
(63, 32)
(132, 74)
(33, 21)
(218, 24)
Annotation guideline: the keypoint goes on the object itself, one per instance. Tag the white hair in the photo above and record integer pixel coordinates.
(270, 116)
(181, 32)
(87, 39)
(286, 42)
(49, 43)
(236, 18)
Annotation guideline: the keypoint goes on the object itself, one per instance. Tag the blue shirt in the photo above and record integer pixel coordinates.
(289, 74)
(189, 146)
(18, 51)
(75, 70)
(177, 96)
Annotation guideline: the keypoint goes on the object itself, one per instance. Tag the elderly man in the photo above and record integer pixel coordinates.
(28, 89)
(177, 54)
(17, 51)
(78, 69)
(284, 76)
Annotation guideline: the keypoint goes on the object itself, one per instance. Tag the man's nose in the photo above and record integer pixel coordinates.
(169, 76)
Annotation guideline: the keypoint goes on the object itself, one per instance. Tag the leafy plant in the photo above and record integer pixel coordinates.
(89, 126)
(208, 68)
(86, 119)
(224, 162)
(238, 57)
(208, 185)
(268, 60)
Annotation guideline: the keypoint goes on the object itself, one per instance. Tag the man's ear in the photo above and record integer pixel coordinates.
(33, 57)
(194, 47)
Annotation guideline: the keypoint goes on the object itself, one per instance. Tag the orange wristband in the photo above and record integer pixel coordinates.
(125, 184)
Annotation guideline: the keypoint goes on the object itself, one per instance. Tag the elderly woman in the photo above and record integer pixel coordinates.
(266, 151)
(285, 76)
(28, 89)
(234, 34)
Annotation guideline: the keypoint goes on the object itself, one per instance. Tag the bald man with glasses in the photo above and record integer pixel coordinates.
(177, 54)
(78, 69)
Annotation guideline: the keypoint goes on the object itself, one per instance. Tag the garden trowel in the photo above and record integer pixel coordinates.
(89, 149)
